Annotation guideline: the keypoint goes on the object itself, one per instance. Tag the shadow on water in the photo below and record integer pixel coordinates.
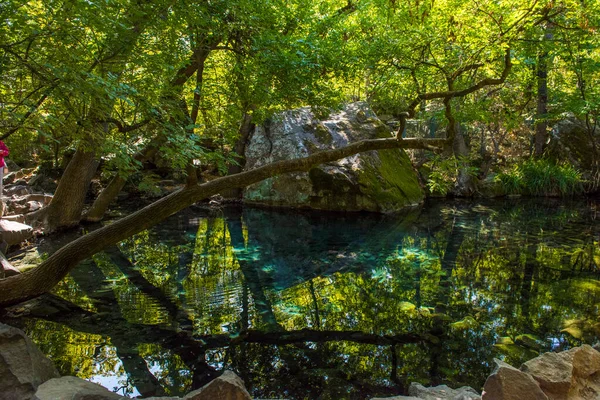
(327, 305)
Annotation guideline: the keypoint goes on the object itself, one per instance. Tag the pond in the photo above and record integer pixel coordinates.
(331, 305)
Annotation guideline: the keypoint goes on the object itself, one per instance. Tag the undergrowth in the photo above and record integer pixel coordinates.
(542, 178)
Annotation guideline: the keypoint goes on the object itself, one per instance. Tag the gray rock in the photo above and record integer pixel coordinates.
(228, 386)
(552, 372)
(23, 367)
(13, 232)
(16, 190)
(442, 392)
(33, 206)
(570, 141)
(508, 383)
(72, 388)
(382, 181)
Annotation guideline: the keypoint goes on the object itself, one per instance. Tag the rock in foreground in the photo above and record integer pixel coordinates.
(23, 367)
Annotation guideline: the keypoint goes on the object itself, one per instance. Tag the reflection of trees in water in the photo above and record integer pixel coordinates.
(342, 303)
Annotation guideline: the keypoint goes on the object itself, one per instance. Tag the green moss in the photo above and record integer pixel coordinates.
(398, 186)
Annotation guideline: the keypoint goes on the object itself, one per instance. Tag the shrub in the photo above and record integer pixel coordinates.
(541, 178)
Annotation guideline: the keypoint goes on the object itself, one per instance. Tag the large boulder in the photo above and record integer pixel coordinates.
(552, 372)
(23, 367)
(72, 388)
(382, 181)
(570, 141)
(569, 375)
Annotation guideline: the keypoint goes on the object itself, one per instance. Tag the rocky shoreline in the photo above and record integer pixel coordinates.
(26, 374)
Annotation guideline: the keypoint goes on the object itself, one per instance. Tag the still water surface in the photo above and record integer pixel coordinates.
(331, 306)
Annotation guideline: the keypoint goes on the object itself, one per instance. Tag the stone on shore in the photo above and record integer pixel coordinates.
(552, 372)
(508, 383)
(13, 232)
(442, 392)
(228, 386)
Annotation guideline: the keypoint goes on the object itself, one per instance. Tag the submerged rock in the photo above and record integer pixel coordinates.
(23, 367)
(382, 181)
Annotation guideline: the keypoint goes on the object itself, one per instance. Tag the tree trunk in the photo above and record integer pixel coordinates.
(465, 184)
(67, 204)
(246, 128)
(114, 187)
(51, 271)
(106, 197)
(541, 126)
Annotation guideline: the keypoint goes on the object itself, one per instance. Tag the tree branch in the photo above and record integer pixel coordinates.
(126, 128)
(51, 271)
(463, 92)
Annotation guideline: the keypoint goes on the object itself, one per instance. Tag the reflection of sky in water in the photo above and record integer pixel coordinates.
(370, 273)
(116, 380)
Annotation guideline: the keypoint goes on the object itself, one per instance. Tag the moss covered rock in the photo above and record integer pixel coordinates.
(382, 181)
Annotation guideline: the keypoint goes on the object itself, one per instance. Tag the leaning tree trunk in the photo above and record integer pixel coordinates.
(114, 187)
(66, 206)
(52, 270)
(104, 199)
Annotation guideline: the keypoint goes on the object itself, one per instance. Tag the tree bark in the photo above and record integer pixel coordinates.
(541, 126)
(104, 199)
(246, 128)
(114, 187)
(67, 204)
(51, 271)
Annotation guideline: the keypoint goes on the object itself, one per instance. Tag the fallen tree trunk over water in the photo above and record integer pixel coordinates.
(51, 271)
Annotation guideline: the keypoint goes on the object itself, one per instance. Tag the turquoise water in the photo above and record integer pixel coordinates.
(331, 305)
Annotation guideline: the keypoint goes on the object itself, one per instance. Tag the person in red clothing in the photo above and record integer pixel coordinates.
(3, 153)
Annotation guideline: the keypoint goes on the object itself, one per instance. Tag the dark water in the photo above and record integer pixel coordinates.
(331, 306)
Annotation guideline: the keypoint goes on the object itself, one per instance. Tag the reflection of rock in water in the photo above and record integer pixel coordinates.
(288, 247)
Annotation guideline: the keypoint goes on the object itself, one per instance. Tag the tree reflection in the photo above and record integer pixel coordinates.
(329, 305)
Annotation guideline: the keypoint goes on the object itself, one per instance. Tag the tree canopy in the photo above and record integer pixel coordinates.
(182, 83)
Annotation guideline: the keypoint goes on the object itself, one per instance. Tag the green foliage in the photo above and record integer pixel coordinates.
(541, 178)
(444, 173)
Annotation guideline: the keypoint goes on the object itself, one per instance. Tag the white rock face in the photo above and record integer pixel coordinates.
(381, 181)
